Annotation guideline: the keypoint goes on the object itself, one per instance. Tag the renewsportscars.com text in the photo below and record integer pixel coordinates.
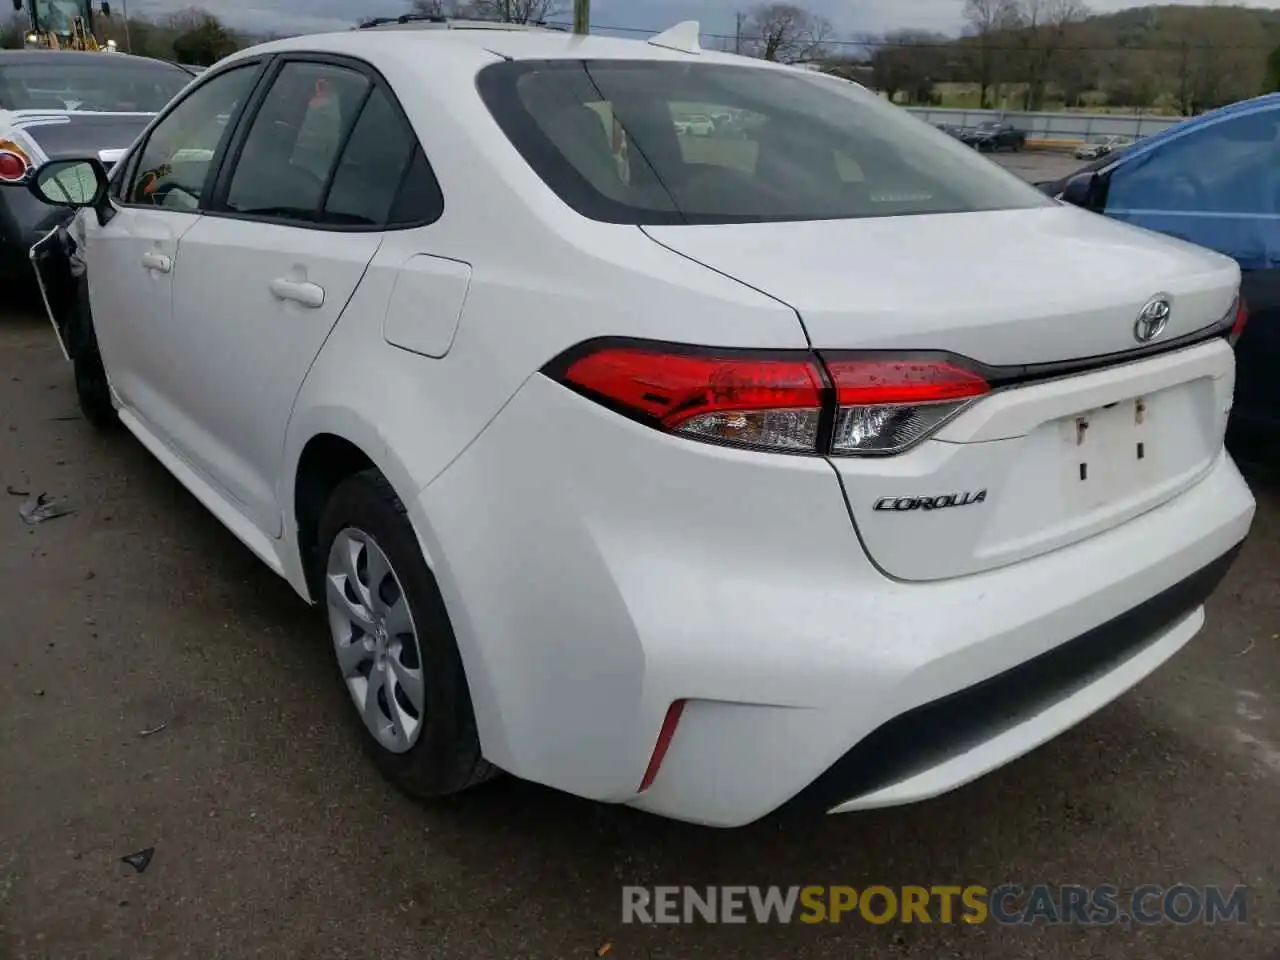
(1007, 904)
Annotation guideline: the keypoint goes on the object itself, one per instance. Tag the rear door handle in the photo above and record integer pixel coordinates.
(157, 261)
(299, 291)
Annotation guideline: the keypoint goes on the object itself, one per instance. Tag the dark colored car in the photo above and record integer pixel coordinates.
(1213, 180)
(995, 135)
(63, 103)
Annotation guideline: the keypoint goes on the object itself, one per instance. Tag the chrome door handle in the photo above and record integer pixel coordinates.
(157, 261)
(299, 291)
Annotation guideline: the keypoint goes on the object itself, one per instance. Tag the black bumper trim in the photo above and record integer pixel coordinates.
(931, 733)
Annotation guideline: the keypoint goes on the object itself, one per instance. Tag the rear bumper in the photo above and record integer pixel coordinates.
(952, 740)
(596, 571)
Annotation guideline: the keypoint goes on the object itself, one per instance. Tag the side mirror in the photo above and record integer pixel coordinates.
(106, 8)
(1081, 190)
(71, 183)
(17, 6)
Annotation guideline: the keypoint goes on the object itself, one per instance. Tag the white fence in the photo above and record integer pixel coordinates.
(1062, 129)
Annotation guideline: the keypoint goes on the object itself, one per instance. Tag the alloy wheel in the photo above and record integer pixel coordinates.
(375, 640)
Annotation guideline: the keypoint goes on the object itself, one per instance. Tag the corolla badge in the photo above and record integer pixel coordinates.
(1152, 320)
(900, 504)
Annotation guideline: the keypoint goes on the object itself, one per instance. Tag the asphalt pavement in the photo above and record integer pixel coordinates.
(161, 690)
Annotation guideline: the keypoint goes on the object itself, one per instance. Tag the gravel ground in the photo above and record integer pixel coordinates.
(161, 689)
(1036, 166)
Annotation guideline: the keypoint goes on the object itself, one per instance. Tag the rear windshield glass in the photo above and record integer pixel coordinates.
(95, 81)
(665, 142)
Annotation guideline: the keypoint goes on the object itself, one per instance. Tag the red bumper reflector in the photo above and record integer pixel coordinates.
(669, 724)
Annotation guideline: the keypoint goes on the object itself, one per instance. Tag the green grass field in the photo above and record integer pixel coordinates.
(1009, 96)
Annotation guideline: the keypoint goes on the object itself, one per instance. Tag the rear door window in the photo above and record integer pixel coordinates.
(293, 145)
(382, 161)
(331, 148)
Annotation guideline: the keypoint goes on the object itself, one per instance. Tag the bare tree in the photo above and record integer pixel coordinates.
(1203, 72)
(784, 32)
(1046, 26)
(508, 11)
(988, 21)
(910, 62)
(517, 11)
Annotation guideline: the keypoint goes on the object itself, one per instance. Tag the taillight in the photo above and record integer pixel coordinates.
(791, 401)
(885, 404)
(1241, 318)
(14, 164)
(745, 399)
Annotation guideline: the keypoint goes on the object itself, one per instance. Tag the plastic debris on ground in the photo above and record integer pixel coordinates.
(42, 508)
(140, 859)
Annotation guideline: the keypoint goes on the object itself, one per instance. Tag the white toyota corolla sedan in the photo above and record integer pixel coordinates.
(812, 463)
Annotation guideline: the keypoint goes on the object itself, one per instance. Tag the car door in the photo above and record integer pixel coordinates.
(133, 257)
(1219, 186)
(299, 213)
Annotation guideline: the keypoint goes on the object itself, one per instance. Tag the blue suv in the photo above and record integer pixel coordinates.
(1213, 180)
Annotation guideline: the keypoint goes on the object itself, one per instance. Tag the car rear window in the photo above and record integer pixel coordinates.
(652, 142)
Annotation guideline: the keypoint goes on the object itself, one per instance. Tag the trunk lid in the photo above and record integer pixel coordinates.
(58, 135)
(1028, 469)
(1002, 287)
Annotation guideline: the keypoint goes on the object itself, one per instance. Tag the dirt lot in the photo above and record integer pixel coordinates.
(161, 689)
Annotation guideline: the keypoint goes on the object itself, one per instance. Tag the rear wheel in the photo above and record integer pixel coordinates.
(393, 643)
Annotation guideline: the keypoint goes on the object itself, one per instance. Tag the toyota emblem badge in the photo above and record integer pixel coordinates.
(1152, 320)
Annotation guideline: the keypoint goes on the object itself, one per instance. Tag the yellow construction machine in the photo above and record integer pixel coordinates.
(63, 25)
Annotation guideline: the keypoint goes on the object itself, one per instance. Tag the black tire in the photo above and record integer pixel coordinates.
(92, 389)
(446, 758)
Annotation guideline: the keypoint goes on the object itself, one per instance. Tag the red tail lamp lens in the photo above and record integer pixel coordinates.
(788, 401)
(874, 382)
(886, 405)
(13, 166)
(746, 399)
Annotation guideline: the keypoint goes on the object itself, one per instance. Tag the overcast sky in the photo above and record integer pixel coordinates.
(716, 16)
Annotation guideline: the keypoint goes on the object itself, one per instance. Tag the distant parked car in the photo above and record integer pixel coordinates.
(1100, 147)
(1212, 180)
(59, 103)
(697, 124)
(994, 135)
